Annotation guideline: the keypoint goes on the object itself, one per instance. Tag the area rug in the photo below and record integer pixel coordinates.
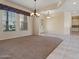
(28, 47)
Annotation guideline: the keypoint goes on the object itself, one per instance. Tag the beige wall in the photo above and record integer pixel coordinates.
(18, 32)
(67, 23)
(60, 24)
(55, 24)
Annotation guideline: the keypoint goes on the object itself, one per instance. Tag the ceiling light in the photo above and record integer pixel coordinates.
(32, 14)
(74, 3)
(48, 17)
(35, 11)
(37, 14)
(59, 3)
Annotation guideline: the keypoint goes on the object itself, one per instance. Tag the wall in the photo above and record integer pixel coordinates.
(18, 32)
(35, 26)
(59, 24)
(55, 24)
(67, 23)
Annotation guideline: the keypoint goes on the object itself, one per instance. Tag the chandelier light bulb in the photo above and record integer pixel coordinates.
(48, 17)
(32, 14)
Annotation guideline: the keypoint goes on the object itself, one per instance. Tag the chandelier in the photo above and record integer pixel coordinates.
(35, 11)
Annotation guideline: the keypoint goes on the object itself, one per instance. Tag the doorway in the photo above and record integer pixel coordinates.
(75, 25)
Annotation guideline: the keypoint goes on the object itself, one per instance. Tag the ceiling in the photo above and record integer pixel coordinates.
(40, 4)
(71, 6)
(52, 5)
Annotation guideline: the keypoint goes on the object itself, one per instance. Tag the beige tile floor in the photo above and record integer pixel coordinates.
(68, 49)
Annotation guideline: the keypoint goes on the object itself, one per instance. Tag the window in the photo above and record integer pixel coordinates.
(8, 20)
(23, 22)
(10, 16)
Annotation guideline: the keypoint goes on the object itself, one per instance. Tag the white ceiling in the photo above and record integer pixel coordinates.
(40, 3)
(52, 5)
(68, 6)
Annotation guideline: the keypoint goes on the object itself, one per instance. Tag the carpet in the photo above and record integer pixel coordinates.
(28, 47)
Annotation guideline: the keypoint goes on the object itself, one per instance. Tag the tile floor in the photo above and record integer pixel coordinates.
(68, 49)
